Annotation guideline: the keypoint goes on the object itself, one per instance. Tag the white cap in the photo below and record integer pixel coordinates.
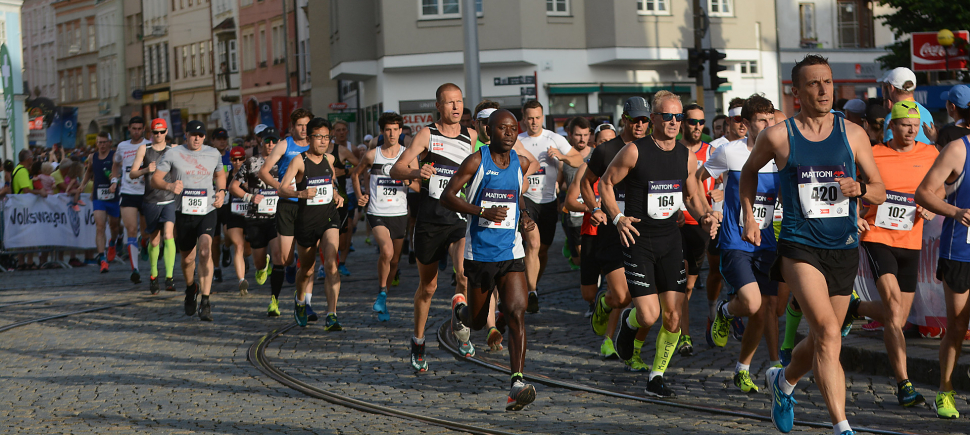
(855, 106)
(734, 112)
(368, 138)
(485, 113)
(898, 78)
(259, 129)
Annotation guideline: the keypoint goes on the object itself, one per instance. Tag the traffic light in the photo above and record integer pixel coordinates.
(695, 62)
(714, 56)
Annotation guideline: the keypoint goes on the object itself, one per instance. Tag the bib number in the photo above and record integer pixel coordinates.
(195, 201)
(621, 200)
(898, 212)
(442, 175)
(239, 207)
(537, 180)
(390, 191)
(819, 192)
(104, 194)
(268, 204)
(324, 191)
(664, 198)
(499, 198)
(763, 210)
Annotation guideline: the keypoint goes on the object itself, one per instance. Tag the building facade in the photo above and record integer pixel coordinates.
(77, 63)
(192, 75)
(134, 61)
(266, 43)
(40, 53)
(109, 19)
(225, 15)
(155, 49)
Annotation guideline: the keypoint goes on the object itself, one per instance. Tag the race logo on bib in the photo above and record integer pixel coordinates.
(819, 192)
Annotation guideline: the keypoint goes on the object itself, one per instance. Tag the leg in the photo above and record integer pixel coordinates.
(513, 291)
(457, 251)
(769, 309)
(892, 313)
(188, 266)
(130, 217)
(543, 259)
(287, 245)
(100, 217)
(427, 284)
(530, 241)
(957, 317)
(204, 249)
(304, 276)
(382, 237)
(754, 330)
(235, 235)
(168, 230)
(714, 282)
(329, 244)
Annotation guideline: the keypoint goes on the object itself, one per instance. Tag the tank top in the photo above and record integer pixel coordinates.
(954, 238)
(292, 150)
(894, 222)
(318, 209)
(340, 170)
(446, 154)
(388, 197)
(702, 154)
(815, 211)
(571, 218)
(655, 187)
(152, 195)
(492, 186)
(101, 168)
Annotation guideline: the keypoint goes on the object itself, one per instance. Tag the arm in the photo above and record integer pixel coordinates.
(764, 150)
(219, 179)
(292, 172)
(347, 156)
(270, 161)
(615, 173)
(361, 168)
(573, 191)
(868, 171)
(402, 169)
(115, 171)
(158, 182)
(696, 200)
(451, 201)
(533, 165)
(87, 173)
(139, 159)
(947, 168)
(572, 158)
(338, 199)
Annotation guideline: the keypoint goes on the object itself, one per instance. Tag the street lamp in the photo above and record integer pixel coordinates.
(945, 39)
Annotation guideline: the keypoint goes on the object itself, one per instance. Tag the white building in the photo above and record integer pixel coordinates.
(112, 92)
(225, 38)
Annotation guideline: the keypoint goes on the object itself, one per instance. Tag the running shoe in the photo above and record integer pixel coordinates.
(658, 388)
(217, 275)
(494, 339)
(153, 284)
(606, 349)
(274, 307)
(945, 405)
(417, 357)
(625, 337)
(311, 316)
(112, 253)
(170, 284)
(907, 395)
(367, 241)
(742, 380)
(351, 248)
(601, 317)
(565, 251)
(243, 287)
(847, 322)
(847, 432)
(721, 326)
(321, 273)
(873, 326)
(737, 328)
(205, 310)
(785, 355)
(104, 266)
(589, 310)
(397, 279)
(261, 276)
(685, 347)
(380, 307)
(342, 268)
(190, 292)
(533, 306)
(135, 277)
(462, 332)
(521, 395)
(290, 274)
(707, 333)
(332, 323)
(226, 256)
(143, 255)
(636, 363)
(782, 405)
(573, 266)
(299, 313)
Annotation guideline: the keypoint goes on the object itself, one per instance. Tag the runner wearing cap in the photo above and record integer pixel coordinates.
(132, 190)
(158, 205)
(958, 108)
(104, 199)
(235, 222)
(221, 257)
(855, 111)
(603, 133)
(898, 86)
(197, 169)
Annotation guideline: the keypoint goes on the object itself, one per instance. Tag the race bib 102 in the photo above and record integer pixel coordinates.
(499, 198)
(664, 198)
(195, 201)
(898, 212)
(819, 192)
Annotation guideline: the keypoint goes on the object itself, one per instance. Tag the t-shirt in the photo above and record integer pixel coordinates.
(58, 179)
(924, 118)
(895, 222)
(21, 179)
(542, 184)
(195, 168)
(728, 160)
(950, 133)
(125, 155)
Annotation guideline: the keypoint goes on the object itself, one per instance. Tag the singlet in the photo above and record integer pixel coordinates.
(316, 210)
(702, 154)
(248, 177)
(152, 195)
(954, 238)
(348, 184)
(816, 213)
(655, 187)
(341, 173)
(588, 229)
(446, 154)
(492, 186)
(728, 160)
(126, 156)
(388, 197)
(292, 150)
(542, 183)
(102, 177)
(895, 222)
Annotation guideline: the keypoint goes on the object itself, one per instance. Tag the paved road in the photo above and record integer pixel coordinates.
(147, 368)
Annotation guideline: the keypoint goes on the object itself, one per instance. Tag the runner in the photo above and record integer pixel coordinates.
(260, 223)
(494, 251)
(603, 133)
(387, 207)
(105, 201)
(158, 206)
(222, 257)
(343, 153)
(572, 222)
(197, 169)
(132, 190)
(317, 222)
(659, 177)
(894, 237)
(441, 146)
(235, 222)
(817, 252)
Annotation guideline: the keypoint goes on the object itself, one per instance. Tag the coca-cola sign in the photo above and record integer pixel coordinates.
(929, 55)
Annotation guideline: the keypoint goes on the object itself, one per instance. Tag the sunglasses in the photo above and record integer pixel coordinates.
(691, 121)
(197, 134)
(737, 119)
(270, 140)
(159, 131)
(639, 119)
(669, 116)
(238, 159)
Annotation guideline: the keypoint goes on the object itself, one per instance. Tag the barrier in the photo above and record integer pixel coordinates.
(32, 224)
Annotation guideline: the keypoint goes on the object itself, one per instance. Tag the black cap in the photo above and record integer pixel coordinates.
(636, 107)
(220, 133)
(269, 132)
(195, 127)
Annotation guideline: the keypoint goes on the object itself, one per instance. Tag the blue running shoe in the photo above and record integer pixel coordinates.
(310, 314)
(299, 314)
(782, 405)
(290, 274)
(332, 323)
(321, 273)
(342, 268)
(737, 328)
(380, 306)
(785, 355)
(848, 432)
(351, 248)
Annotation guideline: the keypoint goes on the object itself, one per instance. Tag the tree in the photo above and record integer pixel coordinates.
(919, 16)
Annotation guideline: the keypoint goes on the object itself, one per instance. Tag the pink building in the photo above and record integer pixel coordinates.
(263, 44)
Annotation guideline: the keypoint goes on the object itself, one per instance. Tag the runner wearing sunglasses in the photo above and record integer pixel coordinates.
(158, 206)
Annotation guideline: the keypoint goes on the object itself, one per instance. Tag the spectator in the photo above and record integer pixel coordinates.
(875, 119)
(855, 111)
(898, 86)
(61, 180)
(21, 175)
(7, 177)
(958, 108)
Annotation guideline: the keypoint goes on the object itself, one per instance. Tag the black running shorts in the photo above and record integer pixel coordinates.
(545, 216)
(655, 265)
(286, 217)
(259, 232)
(956, 274)
(396, 225)
(486, 275)
(601, 255)
(902, 263)
(308, 234)
(838, 266)
(189, 227)
(740, 268)
(431, 241)
(134, 201)
(694, 240)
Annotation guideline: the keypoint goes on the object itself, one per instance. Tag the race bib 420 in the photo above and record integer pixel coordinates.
(819, 192)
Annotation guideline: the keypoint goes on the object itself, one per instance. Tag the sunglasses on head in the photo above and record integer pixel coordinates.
(669, 116)
(639, 119)
(160, 131)
(692, 121)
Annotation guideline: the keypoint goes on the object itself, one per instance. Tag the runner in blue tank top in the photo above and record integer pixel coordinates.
(953, 268)
(817, 154)
(493, 246)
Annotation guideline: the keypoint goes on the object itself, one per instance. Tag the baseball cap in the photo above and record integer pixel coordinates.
(901, 110)
(269, 132)
(898, 78)
(159, 123)
(195, 127)
(604, 126)
(485, 113)
(237, 152)
(855, 106)
(220, 133)
(636, 107)
(368, 138)
(734, 112)
(959, 95)
(259, 128)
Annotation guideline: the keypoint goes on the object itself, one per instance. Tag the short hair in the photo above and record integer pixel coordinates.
(340, 121)
(736, 102)
(301, 113)
(662, 96)
(25, 155)
(390, 118)
(809, 60)
(466, 111)
(962, 112)
(104, 134)
(486, 104)
(316, 124)
(406, 127)
(756, 104)
(531, 104)
(718, 118)
(577, 122)
(693, 106)
(443, 88)
(136, 120)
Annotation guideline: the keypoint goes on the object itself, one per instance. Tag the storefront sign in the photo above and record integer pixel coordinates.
(514, 81)
(928, 55)
(417, 121)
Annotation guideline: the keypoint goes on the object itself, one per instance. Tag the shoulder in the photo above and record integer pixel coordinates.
(777, 133)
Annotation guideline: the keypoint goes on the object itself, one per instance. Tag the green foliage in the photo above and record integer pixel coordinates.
(919, 16)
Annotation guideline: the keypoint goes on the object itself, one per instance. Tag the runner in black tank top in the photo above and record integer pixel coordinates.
(346, 219)
(659, 177)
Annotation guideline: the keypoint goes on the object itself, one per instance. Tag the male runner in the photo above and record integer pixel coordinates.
(659, 178)
(577, 130)
(900, 85)
(105, 200)
(344, 159)
(220, 141)
(745, 266)
(158, 206)
(132, 189)
(197, 169)
(387, 206)
(438, 232)
(493, 252)
(603, 133)
(817, 154)
(894, 237)
(317, 221)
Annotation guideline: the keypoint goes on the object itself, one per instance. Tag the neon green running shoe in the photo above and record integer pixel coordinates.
(261, 276)
(742, 380)
(274, 307)
(720, 327)
(601, 314)
(636, 364)
(607, 351)
(945, 405)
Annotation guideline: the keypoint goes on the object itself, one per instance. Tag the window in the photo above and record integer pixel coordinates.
(806, 15)
(79, 85)
(262, 46)
(278, 40)
(557, 7)
(63, 86)
(93, 85)
(92, 42)
(233, 67)
(749, 68)
(244, 3)
(249, 51)
(720, 8)
(435, 9)
(652, 7)
(185, 61)
(163, 60)
(855, 25)
(203, 59)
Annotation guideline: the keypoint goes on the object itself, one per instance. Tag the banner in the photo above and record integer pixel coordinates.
(224, 114)
(239, 120)
(928, 55)
(68, 127)
(281, 117)
(176, 124)
(266, 114)
(30, 221)
(36, 123)
(54, 130)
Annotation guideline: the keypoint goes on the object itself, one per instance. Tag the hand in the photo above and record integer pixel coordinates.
(930, 131)
(597, 218)
(850, 188)
(717, 195)
(339, 200)
(362, 200)
(625, 227)
(924, 213)
(310, 192)
(712, 221)
(527, 224)
(220, 196)
(862, 225)
(494, 214)
(752, 231)
(42, 193)
(151, 167)
(963, 216)
(427, 171)
(554, 153)
(681, 218)
(176, 187)
(257, 198)
(113, 187)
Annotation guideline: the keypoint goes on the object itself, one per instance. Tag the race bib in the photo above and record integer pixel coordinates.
(819, 192)
(390, 191)
(268, 204)
(763, 210)
(664, 198)
(324, 187)
(105, 194)
(537, 180)
(578, 214)
(239, 207)
(195, 201)
(898, 212)
(499, 198)
(442, 175)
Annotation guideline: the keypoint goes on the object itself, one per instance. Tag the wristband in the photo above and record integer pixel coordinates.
(617, 218)
(862, 187)
(595, 209)
(481, 211)
(114, 180)
(248, 197)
